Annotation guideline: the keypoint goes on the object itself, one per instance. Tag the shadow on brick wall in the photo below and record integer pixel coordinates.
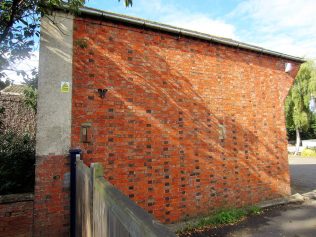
(186, 126)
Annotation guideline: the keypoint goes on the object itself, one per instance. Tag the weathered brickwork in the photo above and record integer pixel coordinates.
(17, 117)
(187, 126)
(16, 215)
(51, 201)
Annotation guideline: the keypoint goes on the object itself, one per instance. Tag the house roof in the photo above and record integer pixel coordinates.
(14, 89)
(180, 31)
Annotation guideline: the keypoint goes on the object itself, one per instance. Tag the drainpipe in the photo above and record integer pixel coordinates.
(74, 153)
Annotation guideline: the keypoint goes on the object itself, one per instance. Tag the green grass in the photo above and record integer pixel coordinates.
(227, 216)
(308, 152)
(254, 210)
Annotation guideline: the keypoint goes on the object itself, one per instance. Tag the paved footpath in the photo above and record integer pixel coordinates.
(291, 220)
(303, 174)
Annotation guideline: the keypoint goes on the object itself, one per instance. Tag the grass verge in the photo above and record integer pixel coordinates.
(308, 152)
(227, 216)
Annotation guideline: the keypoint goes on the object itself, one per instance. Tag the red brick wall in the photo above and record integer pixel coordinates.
(16, 215)
(51, 201)
(157, 131)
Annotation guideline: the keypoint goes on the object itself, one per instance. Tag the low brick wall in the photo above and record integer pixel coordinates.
(51, 202)
(16, 215)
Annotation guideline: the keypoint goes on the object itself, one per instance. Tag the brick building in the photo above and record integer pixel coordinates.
(183, 122)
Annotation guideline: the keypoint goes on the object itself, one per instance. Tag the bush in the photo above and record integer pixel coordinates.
(308, 152)
(17, 163)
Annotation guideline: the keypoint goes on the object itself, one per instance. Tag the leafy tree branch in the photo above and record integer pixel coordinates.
(298, 114)
(19, 27)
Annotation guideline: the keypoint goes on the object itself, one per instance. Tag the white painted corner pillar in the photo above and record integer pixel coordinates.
(55, 69)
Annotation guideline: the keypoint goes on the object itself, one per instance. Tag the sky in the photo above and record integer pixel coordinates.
(286, 26)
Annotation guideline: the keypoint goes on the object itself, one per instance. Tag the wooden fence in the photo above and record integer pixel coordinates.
(102, 210)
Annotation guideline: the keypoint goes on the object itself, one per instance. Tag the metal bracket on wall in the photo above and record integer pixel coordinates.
(85, 131)
(102, 92)
(222, 132)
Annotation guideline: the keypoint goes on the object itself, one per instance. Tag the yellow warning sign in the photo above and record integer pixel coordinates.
(64, 87)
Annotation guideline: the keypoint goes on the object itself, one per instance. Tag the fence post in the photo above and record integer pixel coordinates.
(74, 153)
(96, 172)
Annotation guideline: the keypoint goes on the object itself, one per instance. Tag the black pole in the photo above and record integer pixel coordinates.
(73, 154)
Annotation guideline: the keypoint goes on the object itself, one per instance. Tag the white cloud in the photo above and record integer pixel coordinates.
(282, 25)
(162, 12)
(181, 17)
(280, 13)
(27, 65)
(290, 45)
(201, 23)
(286, 26)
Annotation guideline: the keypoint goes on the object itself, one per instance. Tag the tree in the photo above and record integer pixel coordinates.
(5, 83)
(1, 118)
(19, 28)
(30, 98)
(17, 160)
(298, 114)
(19, 25)
(32, 80)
